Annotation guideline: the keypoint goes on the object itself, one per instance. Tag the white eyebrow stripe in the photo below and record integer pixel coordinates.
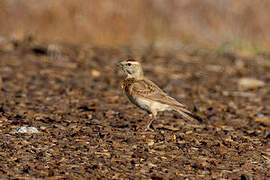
(132, 62)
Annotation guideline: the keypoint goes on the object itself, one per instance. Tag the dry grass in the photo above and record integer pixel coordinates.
(223, 25)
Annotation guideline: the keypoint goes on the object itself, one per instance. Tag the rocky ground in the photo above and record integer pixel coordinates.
(87, 128)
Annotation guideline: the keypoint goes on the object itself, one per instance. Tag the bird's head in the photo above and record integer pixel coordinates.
(132, 68)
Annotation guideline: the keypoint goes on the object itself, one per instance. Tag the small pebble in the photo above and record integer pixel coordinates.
(250, 83)
(29, 130)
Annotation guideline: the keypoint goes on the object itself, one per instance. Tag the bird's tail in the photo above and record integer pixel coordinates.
(187, 114)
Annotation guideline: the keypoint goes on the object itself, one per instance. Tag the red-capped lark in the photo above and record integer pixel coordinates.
(146, 94)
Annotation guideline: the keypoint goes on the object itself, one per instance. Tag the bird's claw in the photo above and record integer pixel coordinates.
(149, 127)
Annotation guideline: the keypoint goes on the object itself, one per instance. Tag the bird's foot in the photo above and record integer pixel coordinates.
(149, 127)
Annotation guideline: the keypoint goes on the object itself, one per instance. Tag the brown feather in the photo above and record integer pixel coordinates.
(147, 89)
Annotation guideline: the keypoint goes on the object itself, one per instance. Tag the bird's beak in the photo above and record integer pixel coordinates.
(118, 64)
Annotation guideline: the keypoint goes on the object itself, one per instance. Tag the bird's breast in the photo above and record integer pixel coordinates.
(126, 85)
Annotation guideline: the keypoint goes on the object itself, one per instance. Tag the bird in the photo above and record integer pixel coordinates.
(147, 95)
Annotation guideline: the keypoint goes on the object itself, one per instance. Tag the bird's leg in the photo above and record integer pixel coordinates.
(152, 118)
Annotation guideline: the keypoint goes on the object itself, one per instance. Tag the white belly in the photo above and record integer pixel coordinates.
(148, 105)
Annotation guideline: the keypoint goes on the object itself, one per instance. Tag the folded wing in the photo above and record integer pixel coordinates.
(149, 90)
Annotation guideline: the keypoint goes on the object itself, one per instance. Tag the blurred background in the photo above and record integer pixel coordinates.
(57, 77)
(241, 26)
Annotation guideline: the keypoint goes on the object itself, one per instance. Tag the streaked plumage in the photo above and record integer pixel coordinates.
(146, 94)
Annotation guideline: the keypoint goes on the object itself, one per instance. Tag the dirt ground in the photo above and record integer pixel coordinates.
(89, 129)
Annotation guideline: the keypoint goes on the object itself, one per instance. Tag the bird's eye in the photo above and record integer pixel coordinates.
(129, 64)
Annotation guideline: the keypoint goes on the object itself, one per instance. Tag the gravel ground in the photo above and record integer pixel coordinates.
(87, 128)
